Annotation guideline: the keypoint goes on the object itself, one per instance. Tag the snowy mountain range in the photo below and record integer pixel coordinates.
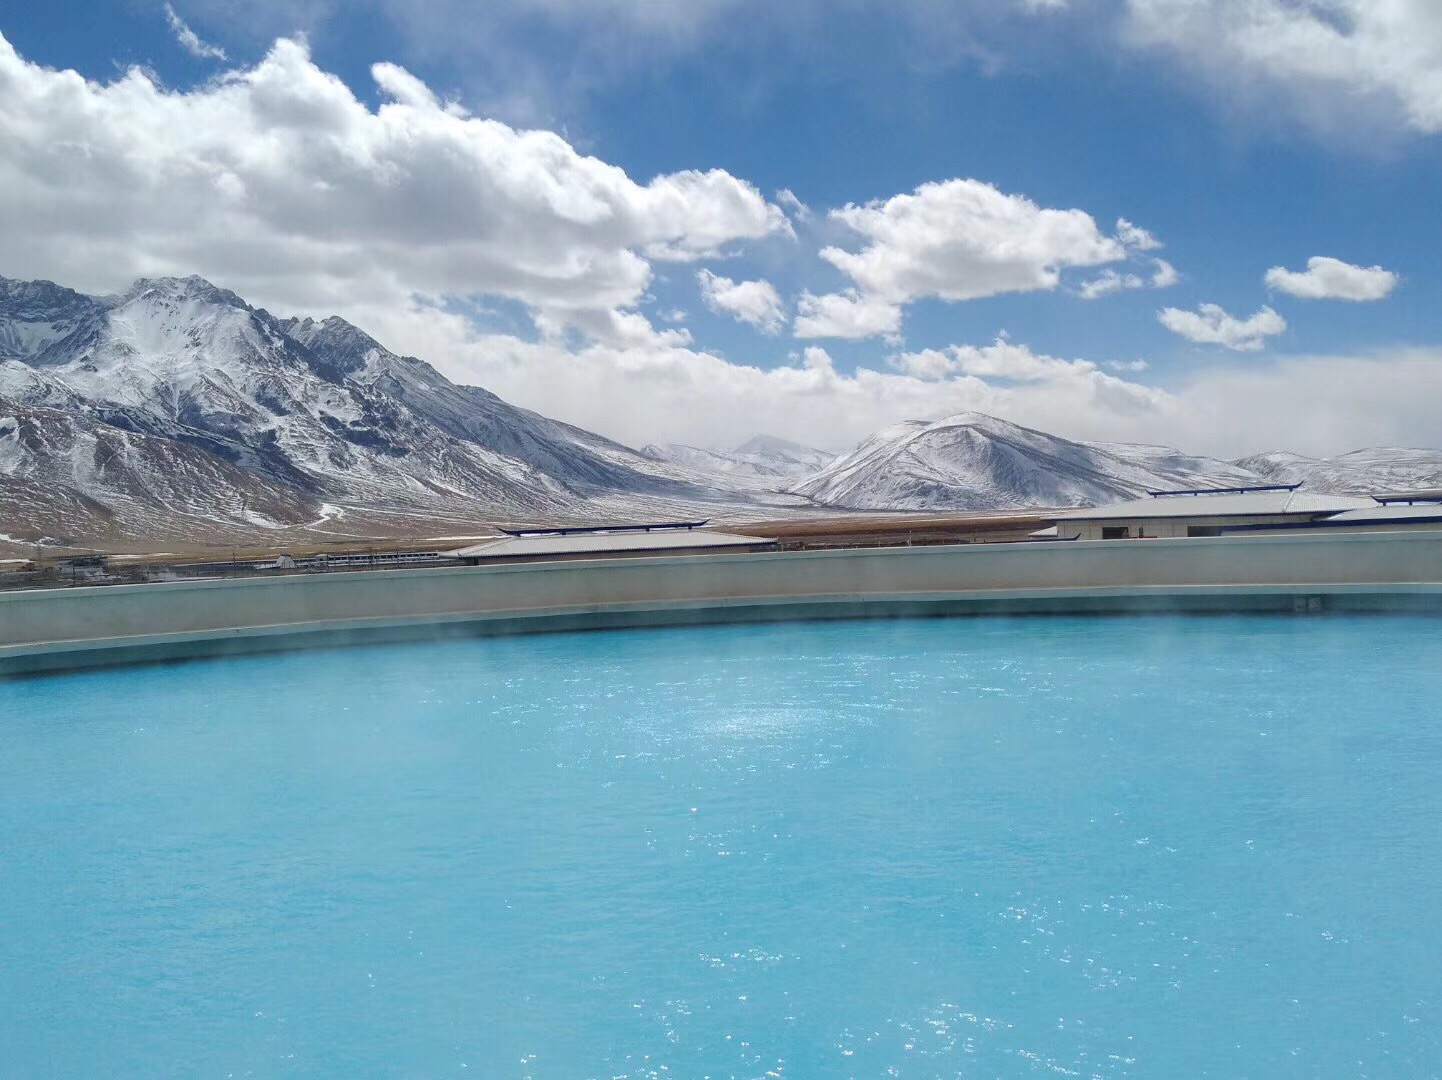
(177, 410)
(177, 402)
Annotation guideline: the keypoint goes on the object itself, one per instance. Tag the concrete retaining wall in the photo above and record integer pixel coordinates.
(74, 627)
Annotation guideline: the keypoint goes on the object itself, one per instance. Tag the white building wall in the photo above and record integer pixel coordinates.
(1168, 527)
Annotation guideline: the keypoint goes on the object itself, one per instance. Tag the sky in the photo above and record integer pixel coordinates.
(1206, 223)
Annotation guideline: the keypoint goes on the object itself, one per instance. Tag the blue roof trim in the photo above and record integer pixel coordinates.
(1226, 491)
(1326, 524)
(585, 530)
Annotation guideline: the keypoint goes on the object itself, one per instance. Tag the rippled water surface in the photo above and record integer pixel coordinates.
(1143, 847)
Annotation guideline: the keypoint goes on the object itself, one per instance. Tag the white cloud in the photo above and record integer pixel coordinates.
(787, 200)
(754, 302)
(189, 40)
(278, 182)
(963, 239)
(1320, 405)
(609, 326)
(1211, 325)
(650, 394)
(845, 315)
(1332, 279)
(815, 358)
(1164, 276)
(1387, 51)
(1314, 405)
(1106, 283)
(1135, 237)
(1011, 362)
(957, 240)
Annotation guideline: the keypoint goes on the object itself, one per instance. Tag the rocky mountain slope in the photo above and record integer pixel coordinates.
(179, 398)
(976, 462)
(1362, 472)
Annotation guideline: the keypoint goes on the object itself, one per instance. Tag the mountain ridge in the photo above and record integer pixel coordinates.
(321, 409)
(974, 461)
(177, 408)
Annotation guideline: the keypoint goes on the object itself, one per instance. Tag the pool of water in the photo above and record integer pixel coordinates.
(1132, 847)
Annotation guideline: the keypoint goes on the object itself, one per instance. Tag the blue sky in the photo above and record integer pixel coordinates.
(1241, 136)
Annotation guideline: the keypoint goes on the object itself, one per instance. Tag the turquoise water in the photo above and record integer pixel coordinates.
(1148, 847)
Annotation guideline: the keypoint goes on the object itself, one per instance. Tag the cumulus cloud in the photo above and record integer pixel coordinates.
(1134, 236)
(1008, 362)
(754, 302)
(845, 315)
(1387, 51)
(189, 40)
(279, 182)
(1332, 279)
(1314, 405)
(1211, 325)
(1163, 276)
(957, 240)
(964, 239)
(650, 394)
(815, 358)
(1108, 282)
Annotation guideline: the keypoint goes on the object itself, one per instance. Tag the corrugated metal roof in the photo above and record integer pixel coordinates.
(1255, 503)
(612, 542)
(1391, 512)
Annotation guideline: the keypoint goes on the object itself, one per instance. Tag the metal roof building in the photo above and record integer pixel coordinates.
(669, 538)
(1414, 514)
(1204, 512)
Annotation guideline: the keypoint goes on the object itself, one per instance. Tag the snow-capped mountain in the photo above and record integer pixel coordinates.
(176, 409)
(764, 460)
(971, 461)
(1362, 472)
(196, 401)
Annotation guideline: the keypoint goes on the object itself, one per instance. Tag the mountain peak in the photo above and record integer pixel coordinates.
(972, 419)
(971, 460)
(192, 287)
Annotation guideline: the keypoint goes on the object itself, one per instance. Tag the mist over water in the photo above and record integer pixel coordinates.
(1125, 847)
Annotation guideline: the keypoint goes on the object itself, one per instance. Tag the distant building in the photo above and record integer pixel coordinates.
(1206, 512)
(596, 541)
(1406, 511)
